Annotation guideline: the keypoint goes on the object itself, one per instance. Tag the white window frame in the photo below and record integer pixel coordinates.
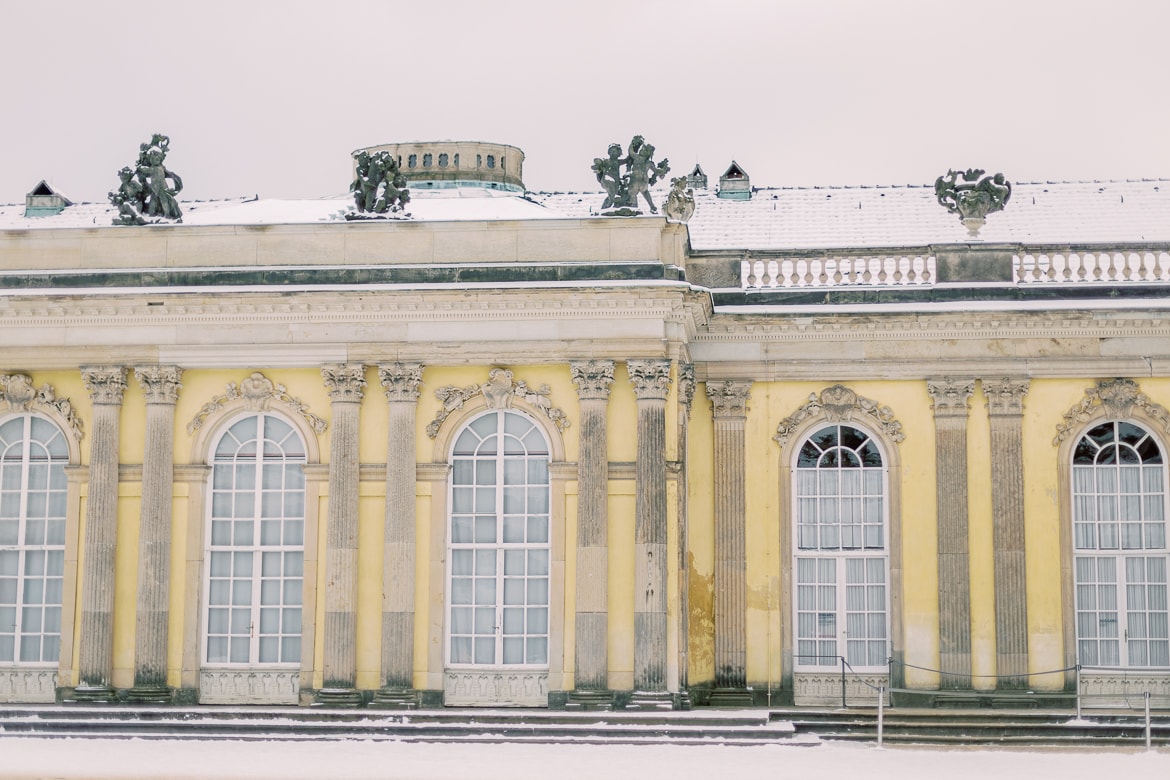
(835, 588)
(257, 550)
(501, 550)
(22, 549)
(1104, 556)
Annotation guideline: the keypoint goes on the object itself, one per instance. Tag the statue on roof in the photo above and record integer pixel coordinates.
(623, 188)
(972, 198)
(146, 192)
(378, 186)
(680, 202)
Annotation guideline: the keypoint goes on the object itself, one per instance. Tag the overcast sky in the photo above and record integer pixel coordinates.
(270, 98)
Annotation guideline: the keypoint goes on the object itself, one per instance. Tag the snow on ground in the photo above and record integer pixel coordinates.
(136, 758)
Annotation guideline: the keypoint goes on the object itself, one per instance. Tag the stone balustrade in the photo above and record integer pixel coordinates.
(874, 270)
(1081, 267)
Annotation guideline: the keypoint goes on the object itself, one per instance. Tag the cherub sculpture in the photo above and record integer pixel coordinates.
(146, 192)
(622, 189)
(378, 186)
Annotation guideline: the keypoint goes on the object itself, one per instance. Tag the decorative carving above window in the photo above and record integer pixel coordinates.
(21, 396)
(1117, 397)
(257, 392)
(840, 404)
(498, 392)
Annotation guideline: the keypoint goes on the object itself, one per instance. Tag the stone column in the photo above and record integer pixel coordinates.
(591, 688)
(950, 407)
(729, 402)
(105, 385)
(1005, 409)
(345, 382)
(651, 380)
(161, 385)
(686, 394)
(401, 381)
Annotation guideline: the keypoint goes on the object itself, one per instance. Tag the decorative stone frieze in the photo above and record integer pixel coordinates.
(950, 397)
(499, 688)
(1116, 398)
(401, 380)
(345, 381)
(18, 392)
(28, 685)
(1005, 396)
(651, 378)
(592, 378)
(250, 686)
(840, 404)
(498, 392)
(257, 393)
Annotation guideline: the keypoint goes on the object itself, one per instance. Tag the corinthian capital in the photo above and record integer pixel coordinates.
(401, 380)
(160, 383)
(650, 378)
(593, 378)
(1005, 396)
(950, 396)
(104, 383)
(729, 397)
(344, 381)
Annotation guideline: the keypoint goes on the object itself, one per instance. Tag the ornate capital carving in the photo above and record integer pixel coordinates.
(401, 380)
(1005, 396)
(18, 392)
(344, 381)
(650, 378)
(686, 385)
(160, 383)
(729, 397)
(593, 378)
(840, 404)
(498, 392)
(950, 396)
(256, 393)
(104, 383)
(1117, 399)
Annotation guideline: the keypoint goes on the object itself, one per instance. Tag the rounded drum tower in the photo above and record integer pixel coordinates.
(433, 165)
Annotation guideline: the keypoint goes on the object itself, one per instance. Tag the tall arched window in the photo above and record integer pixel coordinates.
(255, 546)
(33, 456)
(841, 550)
(1120, 553)
(498, 562)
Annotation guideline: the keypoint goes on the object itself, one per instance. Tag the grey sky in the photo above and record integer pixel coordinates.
(271, 97)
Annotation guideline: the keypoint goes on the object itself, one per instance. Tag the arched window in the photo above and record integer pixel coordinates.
(33, 456)
(841, 550)
(427, 160)
(255, 545)
(412, 161)
(1119, 539)
(491, 161)
(443, 160)
(498, 562)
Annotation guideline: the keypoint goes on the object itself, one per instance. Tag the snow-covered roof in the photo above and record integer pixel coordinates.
(790, 218)
(890, 216)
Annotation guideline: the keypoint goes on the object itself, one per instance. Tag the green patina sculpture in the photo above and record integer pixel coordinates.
(144, 195)
(973, 198)
(378, 186)
(623, 188)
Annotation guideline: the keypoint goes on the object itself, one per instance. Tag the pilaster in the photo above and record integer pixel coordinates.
(106, 385)
(686, 395)
(651, 381)
(345, 382)
(950, 404)
(401, 382)
(1005, 409)
(593, 379)
(161, 385)
(729, 402)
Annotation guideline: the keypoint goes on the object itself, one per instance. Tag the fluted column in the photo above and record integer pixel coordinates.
(651, 380)
(593, 379)
(950, 397)
(105, 385)
(401, 381)
(686, 394)
(161, 385)
(729, 403)
(1005, 408)
(345, 382)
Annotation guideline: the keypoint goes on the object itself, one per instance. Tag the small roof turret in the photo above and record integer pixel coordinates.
(44, 201)
(735, 184)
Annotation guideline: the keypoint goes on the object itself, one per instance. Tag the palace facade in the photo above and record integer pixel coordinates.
(510, 452)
